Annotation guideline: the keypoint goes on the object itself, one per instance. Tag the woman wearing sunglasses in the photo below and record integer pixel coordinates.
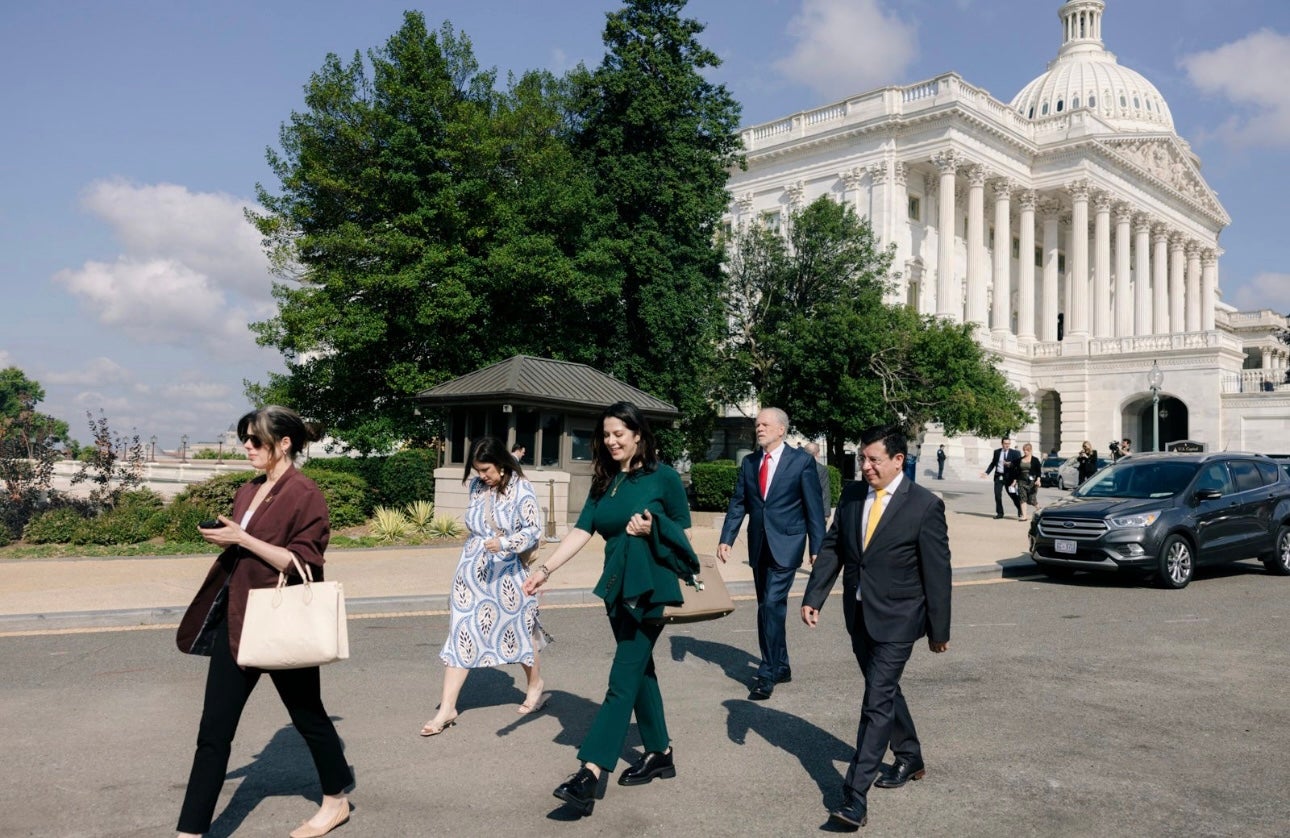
(279, 515)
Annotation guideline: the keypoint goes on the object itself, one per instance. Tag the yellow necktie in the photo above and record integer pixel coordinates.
(875, 512)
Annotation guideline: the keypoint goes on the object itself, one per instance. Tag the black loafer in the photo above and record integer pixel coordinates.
(761, 689)
(579, 791)
(850, 815)
(652, 765)
(785, 678)
(901, 773)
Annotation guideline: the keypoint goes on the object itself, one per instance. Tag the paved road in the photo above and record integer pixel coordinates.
(1088, 707)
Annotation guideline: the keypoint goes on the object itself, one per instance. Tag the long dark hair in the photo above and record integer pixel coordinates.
(646, 458)
(273, 423)
(490, 449)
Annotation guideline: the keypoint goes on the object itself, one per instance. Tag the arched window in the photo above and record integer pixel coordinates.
(1123, 103)
(1136, 103)
(1032, 112)
(1075, 103)
(1059, 105)
(1092, 101)
(1044, 110)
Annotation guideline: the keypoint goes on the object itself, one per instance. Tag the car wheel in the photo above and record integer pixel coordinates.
(1176, 563)
(1279, 562)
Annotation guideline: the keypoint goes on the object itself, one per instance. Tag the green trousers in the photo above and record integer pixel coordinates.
(633, 687)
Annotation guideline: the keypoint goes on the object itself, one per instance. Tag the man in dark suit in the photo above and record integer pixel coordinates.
(1001, 464)
(821, 471)
(778, 490)
(890, 541)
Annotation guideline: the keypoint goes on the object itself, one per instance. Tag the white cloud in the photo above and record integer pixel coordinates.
(844, 47)
(97, 371)
(1267, 290)
(192, 274)
(6, 360)
(1251, 74)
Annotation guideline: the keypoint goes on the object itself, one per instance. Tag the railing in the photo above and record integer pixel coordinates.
(826, 114)
(1256, 381)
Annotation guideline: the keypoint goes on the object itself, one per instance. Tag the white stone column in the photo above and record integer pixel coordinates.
(1177, 283)
(1193, 286)
(1077, 276)
(898, 228)
(851, 180)
(947, 287)
(1142, 274)
(1102, 265)
(1160, 279)
(1048, 292)
(1001, 317)
(1026, 200)
(1123, 296)
(977, 289)
(745, 204)
(1208, 288)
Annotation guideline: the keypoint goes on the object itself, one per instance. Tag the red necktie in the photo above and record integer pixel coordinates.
(764, 474)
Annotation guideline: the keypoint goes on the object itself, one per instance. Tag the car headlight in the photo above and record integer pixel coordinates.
(1144, 519)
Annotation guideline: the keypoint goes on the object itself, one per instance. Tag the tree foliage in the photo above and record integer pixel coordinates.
(660, 139)
(112, 464)
(430, 221)
(28, 440)
(810, 331)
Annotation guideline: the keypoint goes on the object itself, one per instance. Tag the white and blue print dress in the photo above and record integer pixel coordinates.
(493, 621)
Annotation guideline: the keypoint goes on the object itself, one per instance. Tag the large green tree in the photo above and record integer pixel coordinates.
(660, 140)
(22, 427)
(426, 224)
(811, 332)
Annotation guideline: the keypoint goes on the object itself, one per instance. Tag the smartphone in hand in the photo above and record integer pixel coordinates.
(210, 524)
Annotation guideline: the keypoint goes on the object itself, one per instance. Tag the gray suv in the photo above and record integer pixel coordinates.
(1165, 514)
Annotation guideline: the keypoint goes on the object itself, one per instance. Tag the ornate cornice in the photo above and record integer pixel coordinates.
(1027, 200)
(1123, 214)
(900, 173)
(852, 177)
(1102, 202)
(1003, 188)
(1141, 223)
(1160, 233)
(947, 162)
(977, 175)
(1078, 189)
(878, 173)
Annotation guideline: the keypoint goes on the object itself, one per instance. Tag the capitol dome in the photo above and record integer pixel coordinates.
(1086, 76)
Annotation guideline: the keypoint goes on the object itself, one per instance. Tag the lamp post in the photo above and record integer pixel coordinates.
(183, 448)
(221, 452)
(1155, 378)
(152, 450)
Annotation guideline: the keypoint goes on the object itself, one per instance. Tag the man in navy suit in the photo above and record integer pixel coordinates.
(1001, 464)
(778, 489)
(890, 542)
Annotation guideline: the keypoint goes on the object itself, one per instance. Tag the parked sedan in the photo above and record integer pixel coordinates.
(1165, 514)
(1049, 476)
(1068, 472)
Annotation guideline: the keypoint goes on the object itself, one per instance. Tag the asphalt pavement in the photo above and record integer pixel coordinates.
(1089, 707)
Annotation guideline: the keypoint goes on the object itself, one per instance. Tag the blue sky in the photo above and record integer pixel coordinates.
(134, 133)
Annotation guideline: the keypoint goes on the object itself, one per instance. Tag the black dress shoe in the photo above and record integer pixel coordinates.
(901, 773)
(785, 678)
(997, 517)
(850, 815)
(653, 764)
(761, 689)
(579, 791)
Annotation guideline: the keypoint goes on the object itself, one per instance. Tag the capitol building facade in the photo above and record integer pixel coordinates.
(1072, 225)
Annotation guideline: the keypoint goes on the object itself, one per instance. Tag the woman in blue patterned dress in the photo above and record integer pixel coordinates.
(493, 620)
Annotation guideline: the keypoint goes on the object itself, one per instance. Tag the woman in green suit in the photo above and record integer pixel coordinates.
(638, 505)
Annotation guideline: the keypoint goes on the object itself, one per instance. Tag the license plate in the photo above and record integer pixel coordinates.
(1066, 545)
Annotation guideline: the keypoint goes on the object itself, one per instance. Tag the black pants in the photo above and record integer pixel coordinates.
(885, 720)
(999, 491)
(228, 686)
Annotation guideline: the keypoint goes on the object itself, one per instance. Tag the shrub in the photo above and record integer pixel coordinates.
(122, 525)
(835, 487)
(140, 499)
(389, 524)
(216, 494)
(179, 521)
(407, 476)
(62, 525)
(714, 484)
(349, 500)
(420, 514)
(445, 526)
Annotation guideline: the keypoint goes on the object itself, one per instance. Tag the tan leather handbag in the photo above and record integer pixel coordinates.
(294, 626)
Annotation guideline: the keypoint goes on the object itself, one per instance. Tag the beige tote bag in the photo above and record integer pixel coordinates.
(294, 626)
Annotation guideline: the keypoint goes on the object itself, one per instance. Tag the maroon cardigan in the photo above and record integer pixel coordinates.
(292, 515)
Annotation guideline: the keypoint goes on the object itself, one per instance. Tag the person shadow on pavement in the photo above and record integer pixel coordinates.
(816, 749)
(738, 665)
(283, 768)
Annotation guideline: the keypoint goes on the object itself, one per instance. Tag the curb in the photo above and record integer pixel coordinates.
(375, 606)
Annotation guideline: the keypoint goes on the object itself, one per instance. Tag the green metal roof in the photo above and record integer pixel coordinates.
(543, 382)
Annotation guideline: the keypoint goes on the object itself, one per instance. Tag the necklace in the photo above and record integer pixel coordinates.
(618, 481)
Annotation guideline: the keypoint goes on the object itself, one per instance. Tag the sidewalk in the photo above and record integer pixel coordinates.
(51, 594)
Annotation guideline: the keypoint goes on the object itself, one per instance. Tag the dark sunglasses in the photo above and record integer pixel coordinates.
(255, 441)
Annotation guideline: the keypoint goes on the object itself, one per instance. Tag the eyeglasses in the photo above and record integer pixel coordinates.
(255, 441)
